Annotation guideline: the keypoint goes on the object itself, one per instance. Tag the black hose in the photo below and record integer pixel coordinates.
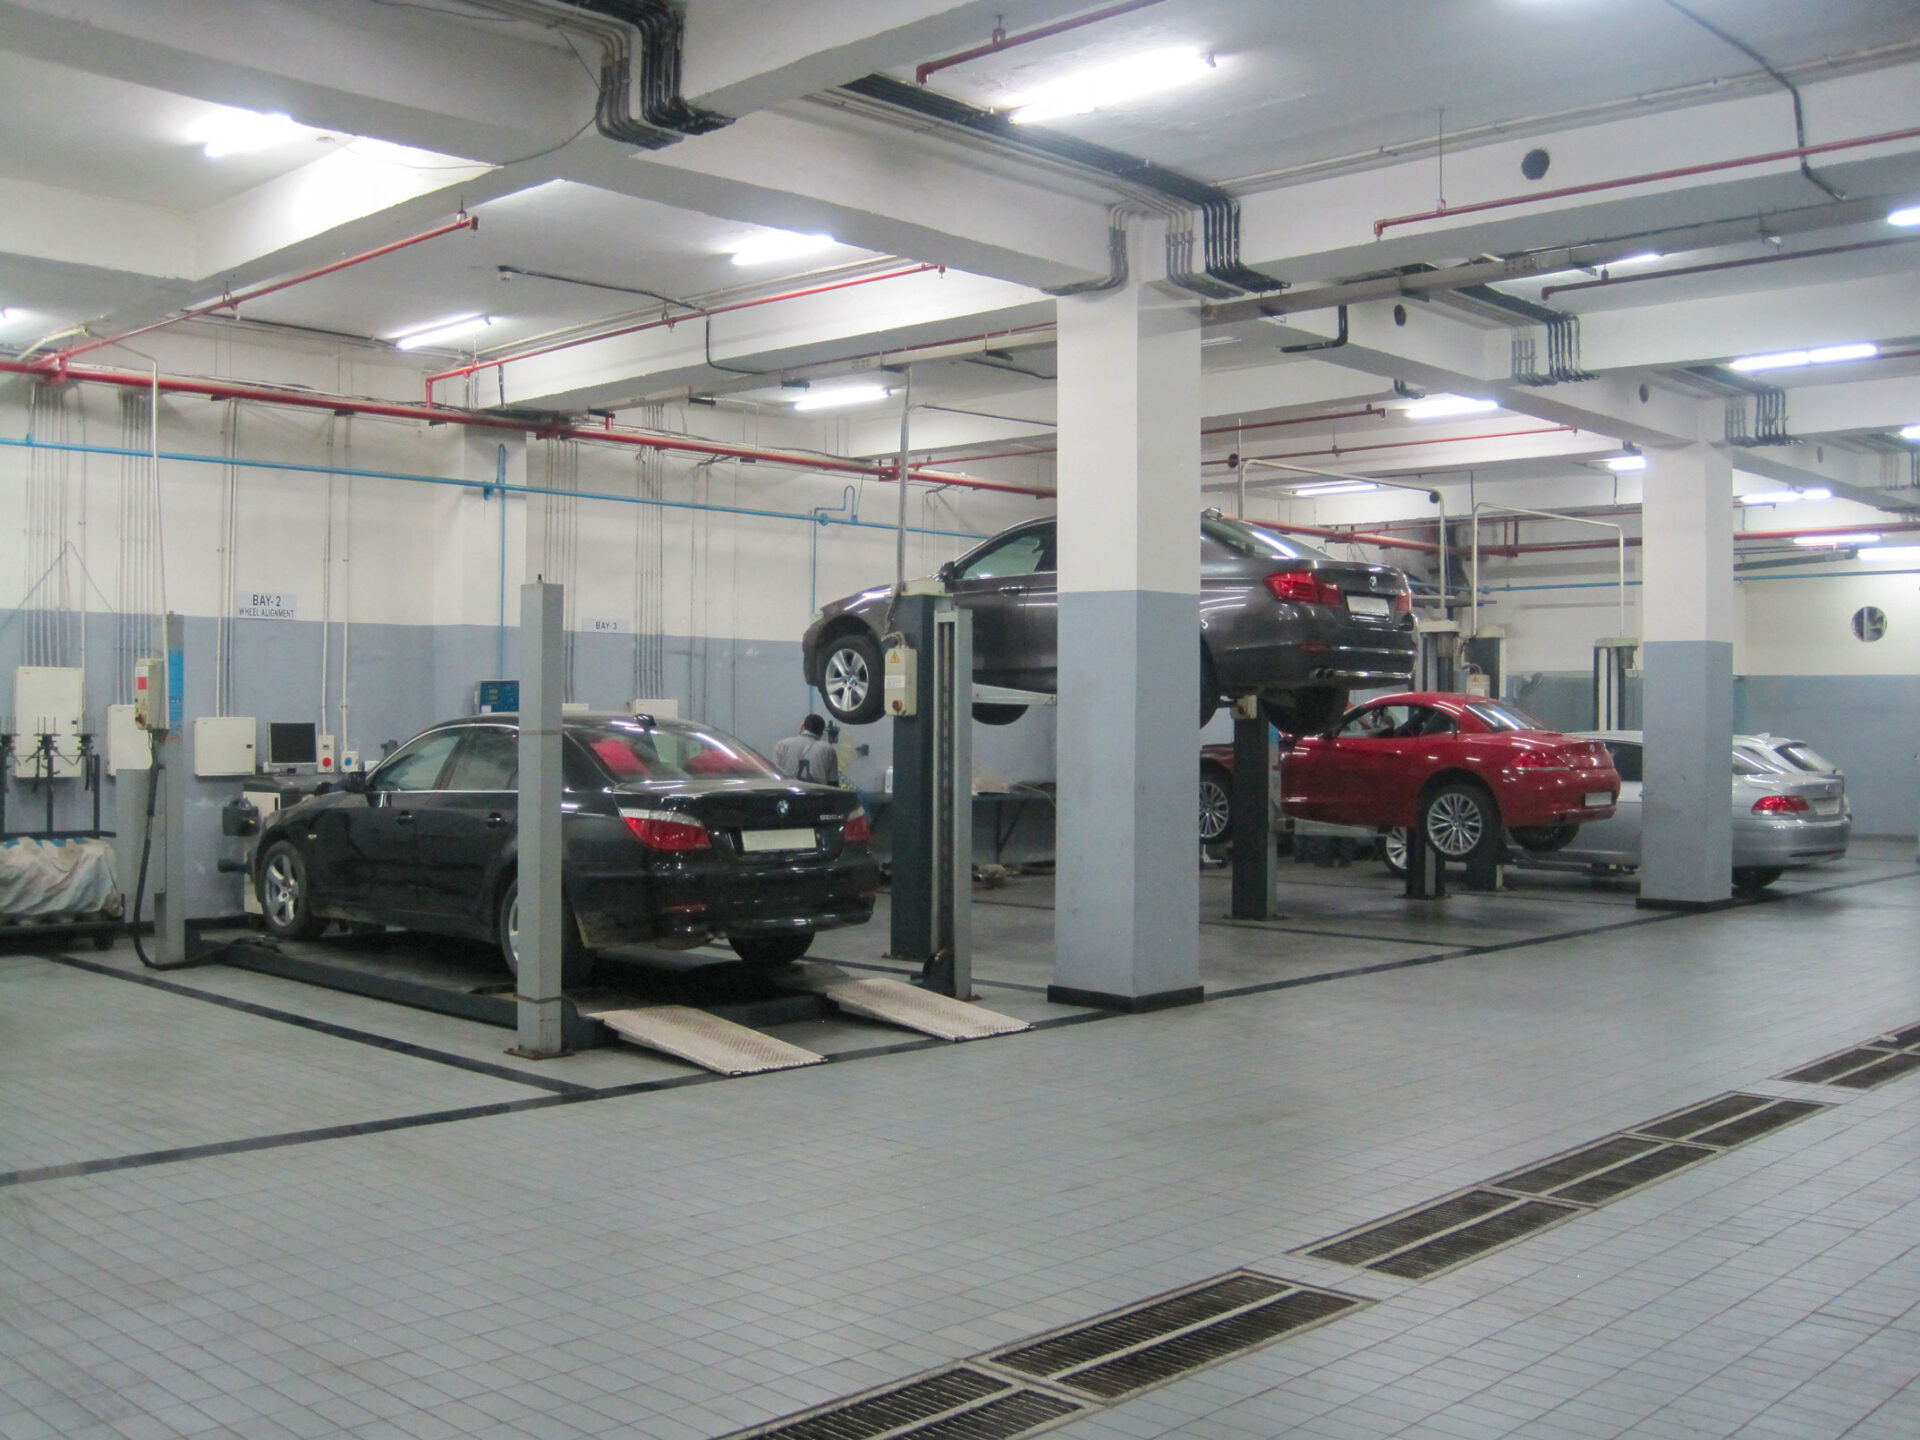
(146, 852)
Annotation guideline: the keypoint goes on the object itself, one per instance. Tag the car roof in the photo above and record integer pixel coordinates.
(1638, 737)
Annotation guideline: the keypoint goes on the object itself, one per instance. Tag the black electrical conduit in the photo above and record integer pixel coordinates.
(660, 29)
(1219, 211)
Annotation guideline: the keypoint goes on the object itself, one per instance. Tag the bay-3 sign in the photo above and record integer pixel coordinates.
(604, 627)
(266, 605)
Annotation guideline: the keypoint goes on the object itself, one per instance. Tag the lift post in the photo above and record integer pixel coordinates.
(1437, 666)
(933, 797)
(541, 1008)
(1614, 659)
(168, 821)
(1252, 840)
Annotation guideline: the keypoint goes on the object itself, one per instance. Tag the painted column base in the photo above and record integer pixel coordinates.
(1685, 907)
(1125, 1004)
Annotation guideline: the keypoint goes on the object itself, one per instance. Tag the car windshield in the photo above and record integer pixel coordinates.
(1498, 715)
(1260, 544)
(637, 750)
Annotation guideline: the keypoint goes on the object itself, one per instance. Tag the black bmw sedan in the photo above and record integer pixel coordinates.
(674, 834)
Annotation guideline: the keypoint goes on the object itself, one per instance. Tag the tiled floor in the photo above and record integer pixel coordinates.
(505, 1261)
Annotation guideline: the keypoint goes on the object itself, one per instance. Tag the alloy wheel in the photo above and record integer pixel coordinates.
(1455, 826)
(1215, 809)
(847, 680)
(282, 900)
(1393, 849)
(510, 932)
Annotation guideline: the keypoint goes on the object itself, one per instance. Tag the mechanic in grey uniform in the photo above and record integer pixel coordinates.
(808, 756)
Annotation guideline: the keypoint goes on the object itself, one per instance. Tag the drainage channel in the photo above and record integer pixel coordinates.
(1441, 1235)
(1030, 1386)
(1865, 1067)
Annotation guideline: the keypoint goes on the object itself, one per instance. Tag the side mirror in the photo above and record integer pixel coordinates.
(945, 573)
(354, 782)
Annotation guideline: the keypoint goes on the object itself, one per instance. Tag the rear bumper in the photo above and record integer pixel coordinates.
(1783, 844)
(1555, 797)
(690, 906)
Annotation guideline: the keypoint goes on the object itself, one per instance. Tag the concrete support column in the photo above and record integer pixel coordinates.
(537, 987)
(1686, 848)
(1127, 920)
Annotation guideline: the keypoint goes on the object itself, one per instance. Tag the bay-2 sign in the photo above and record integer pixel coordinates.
(266, 605)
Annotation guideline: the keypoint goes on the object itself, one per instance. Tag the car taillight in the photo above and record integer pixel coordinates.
(859, 829)
(1540, 760)
(1780, 805)
(1303, 586)
(1403, 603)
(660, 831)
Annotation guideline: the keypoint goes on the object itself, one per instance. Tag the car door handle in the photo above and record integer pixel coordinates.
(1011, 589)
(403, 817)
(494, 822)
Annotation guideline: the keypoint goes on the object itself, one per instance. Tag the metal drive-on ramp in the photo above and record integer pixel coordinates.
(892, 1002)
(705, 1040)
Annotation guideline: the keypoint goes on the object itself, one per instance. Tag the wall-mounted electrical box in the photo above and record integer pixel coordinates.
(323, 754)
(496, 697)
(150, 692)
(575, 707)
(223, 745)
(128, 746)
(47, 700)
(902, 684)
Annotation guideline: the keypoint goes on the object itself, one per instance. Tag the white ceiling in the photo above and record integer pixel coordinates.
(1306, 82)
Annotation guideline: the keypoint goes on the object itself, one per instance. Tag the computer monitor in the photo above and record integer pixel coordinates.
(292, 743)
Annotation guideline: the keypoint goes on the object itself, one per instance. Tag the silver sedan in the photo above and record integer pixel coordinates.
(1789, 809)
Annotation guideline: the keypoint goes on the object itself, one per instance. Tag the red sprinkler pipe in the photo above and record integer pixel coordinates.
(669, 321)
(1003, 41)
(1355, 537)
(1216, 430)
(1651, 177)
(480, 420)
(59, 359)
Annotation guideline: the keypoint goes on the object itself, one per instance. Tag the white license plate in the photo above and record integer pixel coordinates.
(757, 840)
(1826, 807)
(1369, 605)
(1599, 797)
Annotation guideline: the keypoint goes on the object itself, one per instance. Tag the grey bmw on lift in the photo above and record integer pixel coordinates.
(1278, 618)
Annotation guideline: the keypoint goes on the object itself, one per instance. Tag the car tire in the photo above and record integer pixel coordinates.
(1545, 839)
(767, 951)
(1393, 850)
(998, 714)
(850, 678)
(1216, 805)
(1305, 712)
(1460, 821)
(576, 961)
(286, 895)
(1755, 877)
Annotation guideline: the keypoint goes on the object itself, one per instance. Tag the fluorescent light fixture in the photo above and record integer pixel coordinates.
(1865, 537)
(1786, 359)
(226, 131)
(1910, 432)
(1909, 216)
(1439, 407)
(778, 245)
(1626, 462)
(1108, 85)
(845, 395)
(1213, 340)
(1337, 487)
(1892, 554)
(1785, 497)
(1646, 257)
(441, 330)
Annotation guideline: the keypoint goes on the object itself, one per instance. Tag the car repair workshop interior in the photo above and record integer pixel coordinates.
(945, 720)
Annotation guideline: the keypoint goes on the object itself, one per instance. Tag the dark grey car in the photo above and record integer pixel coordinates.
(1278, 618)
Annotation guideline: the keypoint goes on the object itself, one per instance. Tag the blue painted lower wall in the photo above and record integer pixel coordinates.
(1868, 725)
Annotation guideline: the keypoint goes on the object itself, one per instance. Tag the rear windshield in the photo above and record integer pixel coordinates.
(1806, 757)
(1257, 543)
(634, 750)
(1499, 715)
(1746, 764)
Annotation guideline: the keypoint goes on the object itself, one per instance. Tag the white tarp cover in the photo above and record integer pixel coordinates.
(55, 877)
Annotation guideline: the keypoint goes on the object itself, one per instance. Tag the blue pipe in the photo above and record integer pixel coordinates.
(481, 485)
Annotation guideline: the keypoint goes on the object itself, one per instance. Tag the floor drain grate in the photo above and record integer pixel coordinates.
(1825, 1072)
(1886, 1057)
(948, 1399)
(1905, 1039)
(1421, 1243)
(1889, 1067)
(1144, 1345)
